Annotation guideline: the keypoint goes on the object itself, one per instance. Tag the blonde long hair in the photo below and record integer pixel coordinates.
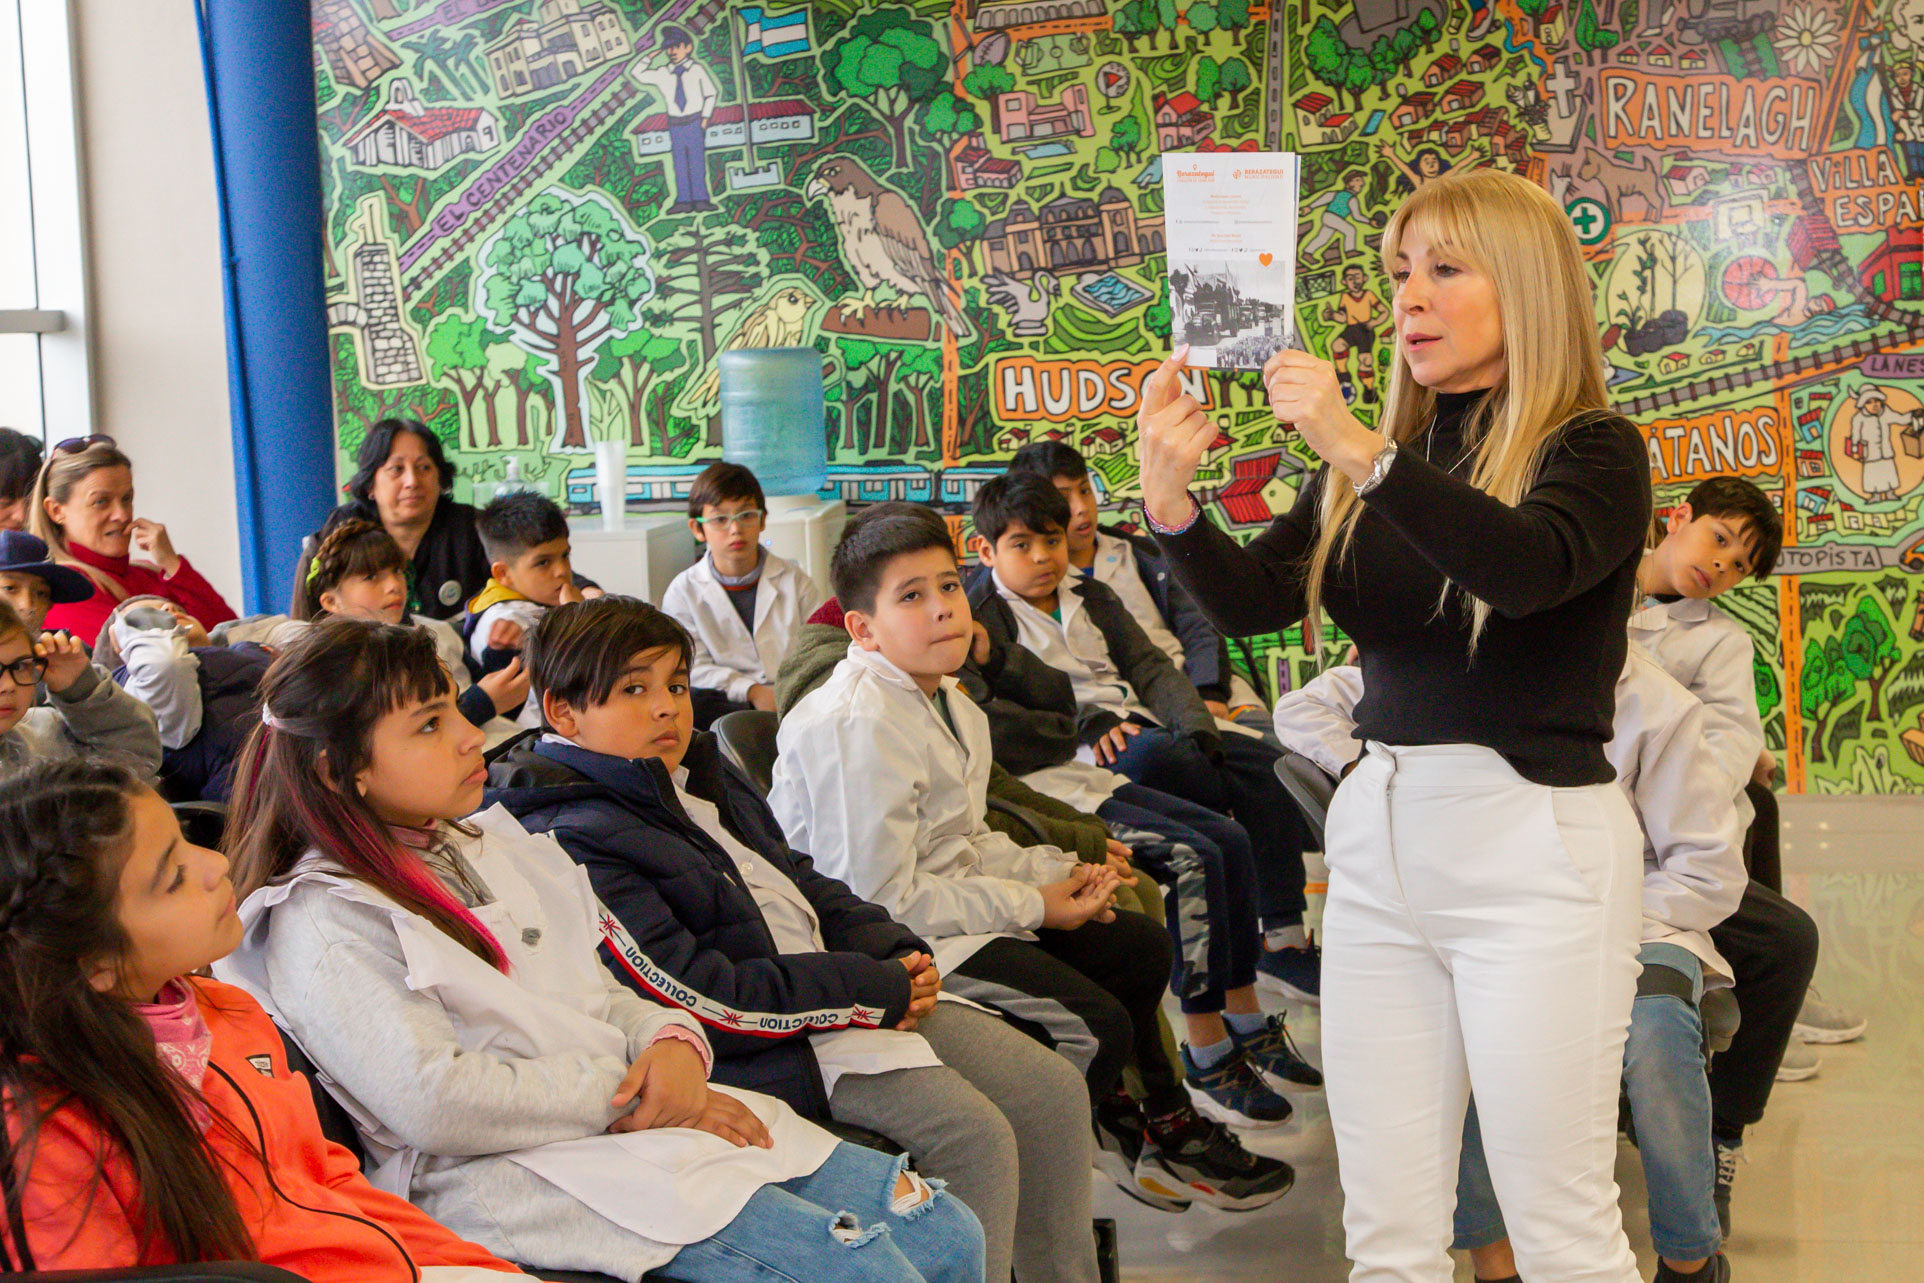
(1511, 230)
(58, 477)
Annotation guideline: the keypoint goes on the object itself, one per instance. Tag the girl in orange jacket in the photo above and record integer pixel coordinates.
(150, 1114)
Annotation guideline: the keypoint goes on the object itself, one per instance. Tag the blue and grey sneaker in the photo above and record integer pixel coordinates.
(1231, 1092)
(1293, 973)
(1272, 1054)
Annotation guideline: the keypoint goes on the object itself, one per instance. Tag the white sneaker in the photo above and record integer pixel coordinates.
(1799, 1063)
(1819, 1021)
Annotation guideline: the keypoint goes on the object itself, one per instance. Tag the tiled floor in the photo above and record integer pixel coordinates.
(1821, 1199)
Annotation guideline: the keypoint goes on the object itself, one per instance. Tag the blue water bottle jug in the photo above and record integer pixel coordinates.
(773, 417)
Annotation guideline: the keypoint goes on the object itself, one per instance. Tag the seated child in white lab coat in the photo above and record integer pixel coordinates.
(741, 602)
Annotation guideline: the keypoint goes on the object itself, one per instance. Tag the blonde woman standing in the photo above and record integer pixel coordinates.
(1482, 550)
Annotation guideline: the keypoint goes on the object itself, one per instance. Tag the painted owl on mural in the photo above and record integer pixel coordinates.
(882, 240)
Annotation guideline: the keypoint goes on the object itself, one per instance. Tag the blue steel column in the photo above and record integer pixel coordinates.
(258, 57)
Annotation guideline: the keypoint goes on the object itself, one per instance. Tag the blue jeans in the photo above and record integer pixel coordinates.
(834, 1226)
(1202, 860)
(1664, 1077)
(1243, 785)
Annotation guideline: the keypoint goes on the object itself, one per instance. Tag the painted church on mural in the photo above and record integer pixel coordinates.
(547, 220)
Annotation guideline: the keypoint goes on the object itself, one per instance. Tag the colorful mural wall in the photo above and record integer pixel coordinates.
(547, 218)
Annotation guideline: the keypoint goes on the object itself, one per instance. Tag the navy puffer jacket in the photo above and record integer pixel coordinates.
(694, 935)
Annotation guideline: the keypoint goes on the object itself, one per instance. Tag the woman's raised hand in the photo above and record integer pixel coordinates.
(1172, 435)
(1304, 391)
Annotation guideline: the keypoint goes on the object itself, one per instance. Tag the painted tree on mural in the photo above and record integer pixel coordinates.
(457, 350)
(704, 274)
(630, 371)
(567, 274)
(891, 59)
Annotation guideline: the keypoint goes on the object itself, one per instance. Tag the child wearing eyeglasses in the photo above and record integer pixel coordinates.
(85, 713)
(741, 603)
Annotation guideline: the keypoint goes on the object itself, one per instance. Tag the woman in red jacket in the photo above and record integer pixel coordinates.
(150, 1114)
(83, 507)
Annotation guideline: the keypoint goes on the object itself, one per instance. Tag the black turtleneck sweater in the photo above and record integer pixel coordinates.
(1559, 571)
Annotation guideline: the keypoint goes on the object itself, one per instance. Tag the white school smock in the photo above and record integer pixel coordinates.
(871, 783)
(1693, 841)
(1712, 656)
(727, 658)
(673, 1186)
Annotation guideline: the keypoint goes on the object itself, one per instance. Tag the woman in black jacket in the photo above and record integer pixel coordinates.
(1482, 922)
(405, 483)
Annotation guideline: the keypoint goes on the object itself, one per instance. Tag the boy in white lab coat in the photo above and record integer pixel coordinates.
(881, 775)
(1725, 530)
(741, 602)
(1693, 880)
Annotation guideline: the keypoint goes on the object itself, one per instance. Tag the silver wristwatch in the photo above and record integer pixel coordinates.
(1378, 470)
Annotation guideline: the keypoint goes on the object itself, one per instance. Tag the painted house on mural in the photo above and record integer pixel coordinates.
(1020, 116)
(406, 133)
(974, 167)
(1073, 232)
(562, 40)
(999, 15)
(1895, 270)
(1181, 121)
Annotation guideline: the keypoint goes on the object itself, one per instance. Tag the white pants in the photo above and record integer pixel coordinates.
(1481, 931)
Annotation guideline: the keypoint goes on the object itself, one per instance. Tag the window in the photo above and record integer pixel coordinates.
(1910, 280)
(44, 387)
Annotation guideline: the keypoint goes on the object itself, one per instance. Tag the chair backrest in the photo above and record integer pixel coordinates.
(336, 1125)
(748, 740)
(1310, 787)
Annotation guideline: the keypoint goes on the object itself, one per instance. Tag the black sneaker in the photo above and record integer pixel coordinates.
(1714, 1270)
(1120, 1134)
(1232, 1092)
(1728, 1157)
(1296, 974)
(1272, 1054)
(1205, 1161)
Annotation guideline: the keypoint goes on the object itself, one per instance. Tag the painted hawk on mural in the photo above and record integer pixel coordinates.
(882, 240)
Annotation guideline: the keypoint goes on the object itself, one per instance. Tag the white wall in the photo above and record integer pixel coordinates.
(160, 355)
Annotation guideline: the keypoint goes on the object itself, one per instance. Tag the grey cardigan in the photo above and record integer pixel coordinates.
(93, 717)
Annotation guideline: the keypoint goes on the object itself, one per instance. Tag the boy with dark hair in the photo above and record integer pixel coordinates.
(882, 775)
(741, 603)
(1135, 713)
(1725, 530)
(19, 465)
(526, 538)
(808, 992)
(32, 582)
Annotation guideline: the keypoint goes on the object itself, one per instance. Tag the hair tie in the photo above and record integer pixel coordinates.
(314, 566)
(277, 723)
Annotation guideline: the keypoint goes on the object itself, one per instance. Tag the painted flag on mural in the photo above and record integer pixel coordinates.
(775, 35)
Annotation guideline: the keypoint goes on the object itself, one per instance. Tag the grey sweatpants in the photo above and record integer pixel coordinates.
(1005, 1121)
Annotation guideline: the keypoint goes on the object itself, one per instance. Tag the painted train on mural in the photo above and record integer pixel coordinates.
(548, 218)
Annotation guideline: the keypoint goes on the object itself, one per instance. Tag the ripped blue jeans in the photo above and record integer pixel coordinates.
(840, 1224)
